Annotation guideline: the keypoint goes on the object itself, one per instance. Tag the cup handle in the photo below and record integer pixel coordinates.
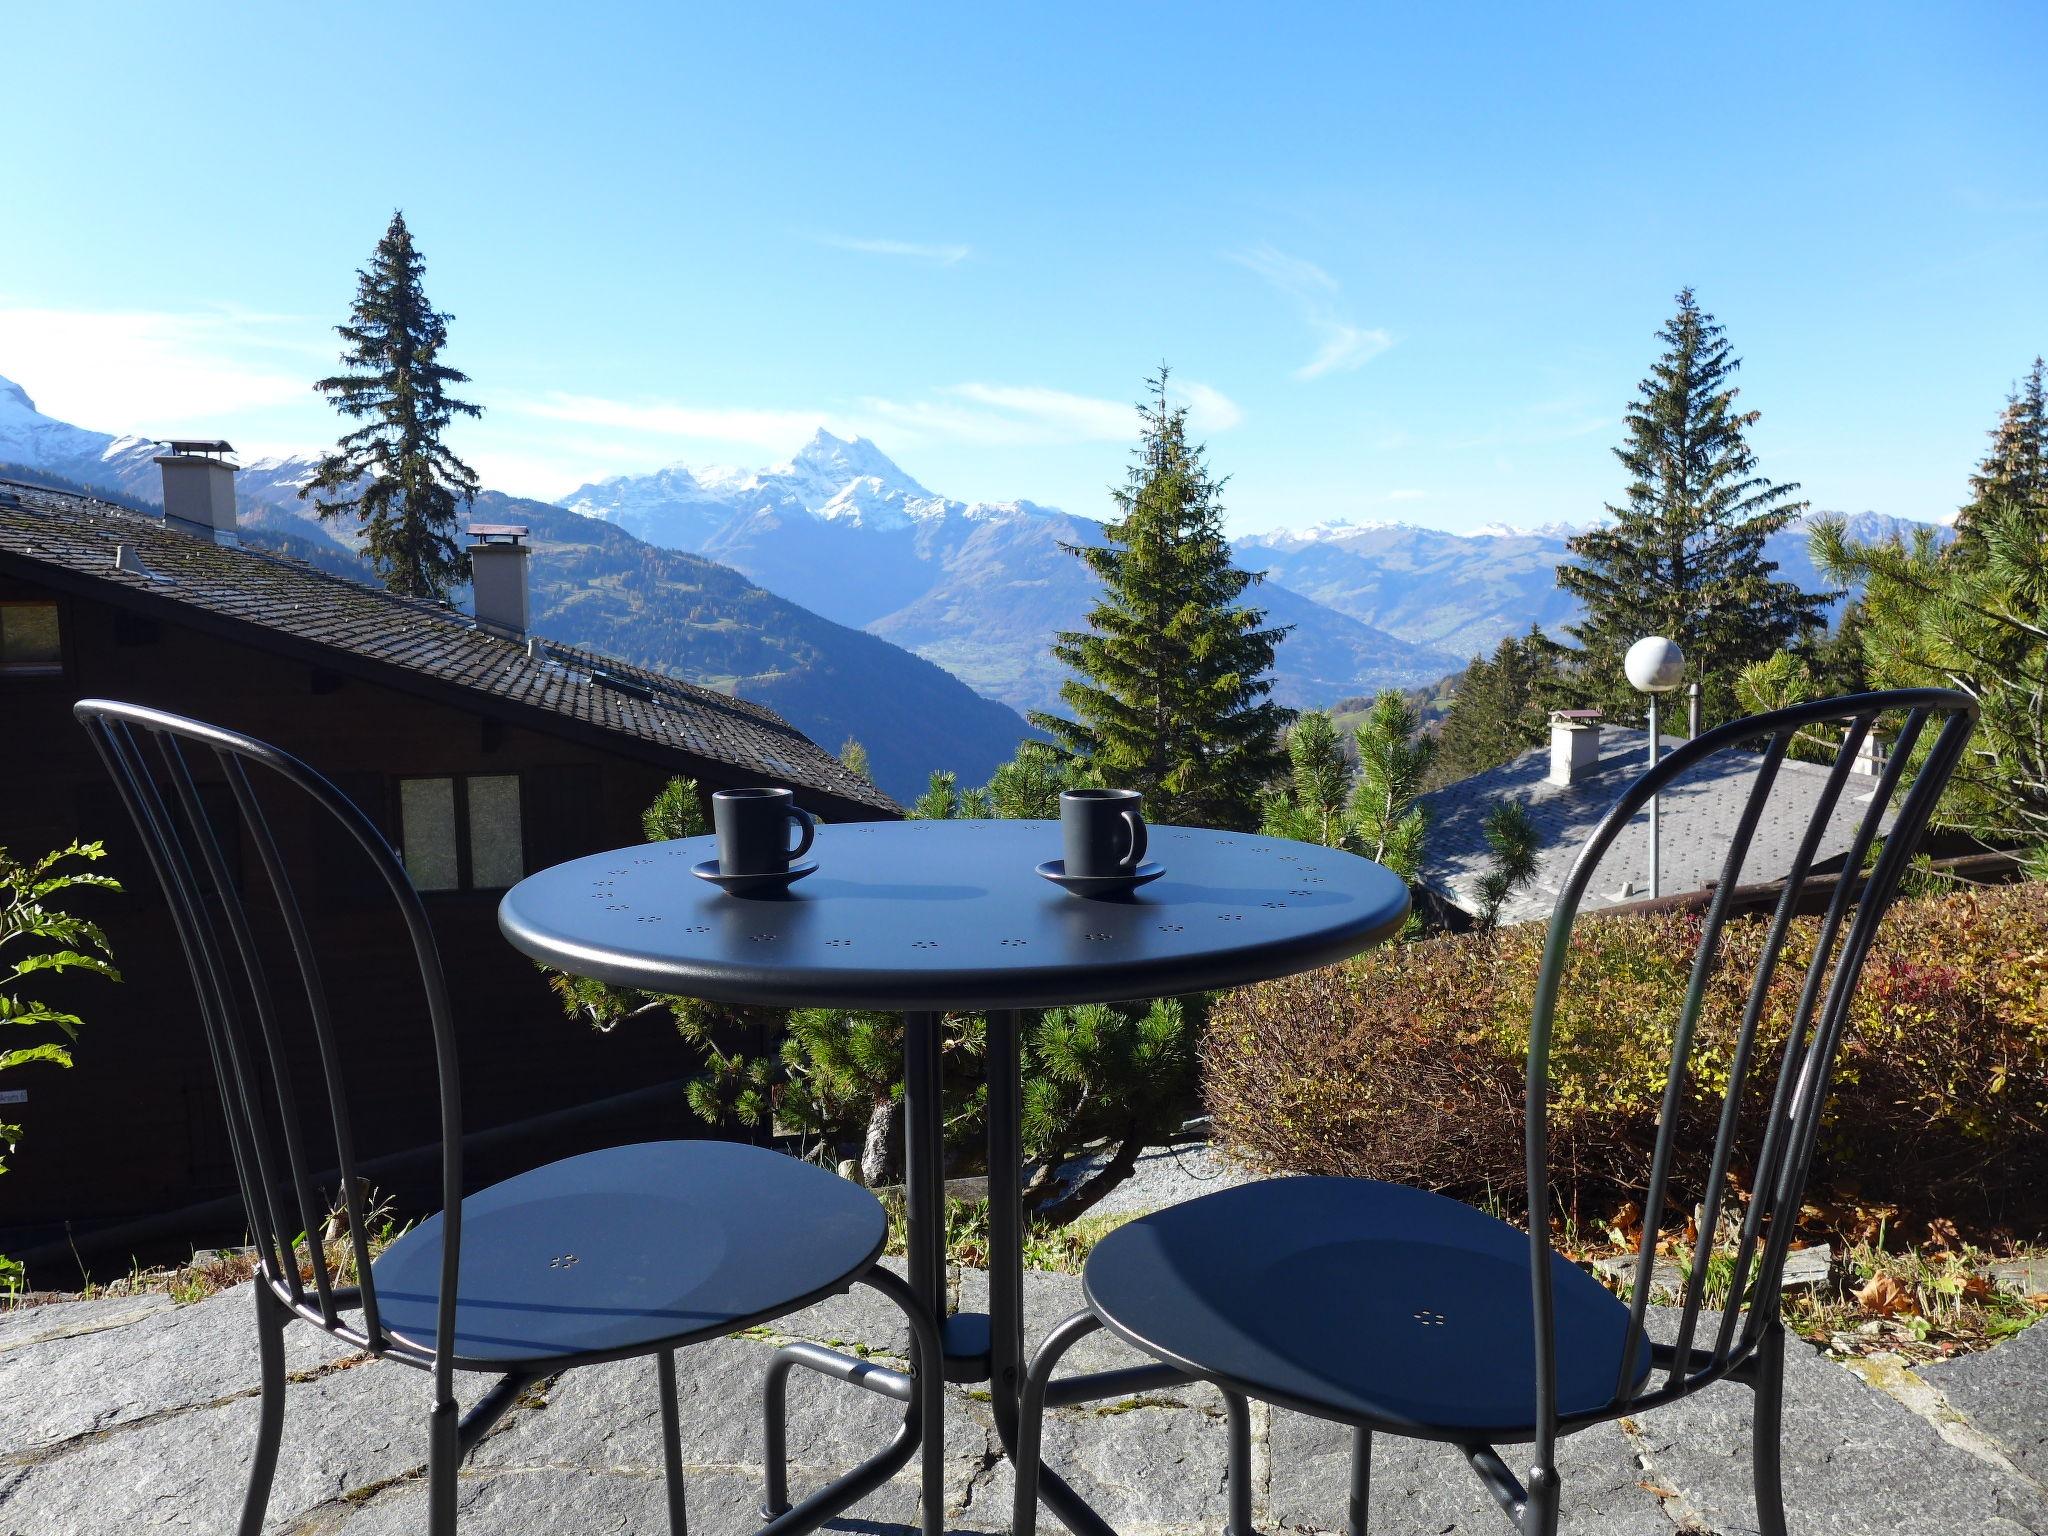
(809, 824)
(1136, 856)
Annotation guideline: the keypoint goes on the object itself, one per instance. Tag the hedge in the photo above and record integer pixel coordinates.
(1407, 1063)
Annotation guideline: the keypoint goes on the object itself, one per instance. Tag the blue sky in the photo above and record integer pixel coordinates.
(1407, 261)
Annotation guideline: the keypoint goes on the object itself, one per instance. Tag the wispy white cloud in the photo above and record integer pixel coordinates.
(771, 429)
(975, 412)
(156, 370)
(1034, 414)
(1209, 410)
(944, 255)
(1342, 344)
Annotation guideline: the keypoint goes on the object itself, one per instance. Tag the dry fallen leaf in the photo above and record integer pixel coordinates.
(1886, 1297)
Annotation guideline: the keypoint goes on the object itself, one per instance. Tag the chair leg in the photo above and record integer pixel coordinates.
(1356, 1514)
(271, 1317)
(1539, 1516)
(1237, 1415)
(1769, 1385)
(1031, 1417)
(444, 1457)
(672, 1444)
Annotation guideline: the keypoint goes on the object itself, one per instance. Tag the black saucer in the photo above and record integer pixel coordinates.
(1055, 870)
(742, 885)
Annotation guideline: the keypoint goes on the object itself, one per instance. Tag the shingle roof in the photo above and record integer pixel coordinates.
(364, 628)
(1696, 816)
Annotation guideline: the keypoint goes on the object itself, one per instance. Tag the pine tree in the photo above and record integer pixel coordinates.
(1512, 843)
(393, 474)
(1310, 806)
(2016, 468)
(940, 800)
(1502, 705)
(1684, 556)
(1974, 616)
(1172, 677)
(1027, 787)
(854, 757)
(1392, 762)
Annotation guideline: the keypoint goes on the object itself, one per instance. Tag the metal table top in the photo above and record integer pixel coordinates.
(935, 915)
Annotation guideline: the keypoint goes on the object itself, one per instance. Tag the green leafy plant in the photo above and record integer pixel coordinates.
(29, 919)
(39, 941)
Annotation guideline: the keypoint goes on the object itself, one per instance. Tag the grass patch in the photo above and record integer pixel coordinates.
(1062, 1250)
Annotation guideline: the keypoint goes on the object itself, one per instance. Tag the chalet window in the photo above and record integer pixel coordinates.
(30, 645)
(462, 833)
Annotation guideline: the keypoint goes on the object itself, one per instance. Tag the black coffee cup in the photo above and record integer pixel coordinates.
(753, 830)
(1102, 831)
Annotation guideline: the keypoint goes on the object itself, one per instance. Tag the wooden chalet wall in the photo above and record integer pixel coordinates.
(135, 1127)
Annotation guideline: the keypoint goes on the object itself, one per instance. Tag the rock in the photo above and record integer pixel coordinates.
(2022, 1277)
(2004, 1392)
(22, 1326)
(171, 1359)
(1855, 1461)
(1666, 1279)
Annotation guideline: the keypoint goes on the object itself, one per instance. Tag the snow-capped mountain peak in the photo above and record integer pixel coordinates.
(832, 464)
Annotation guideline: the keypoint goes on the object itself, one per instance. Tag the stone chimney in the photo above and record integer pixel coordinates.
(1574, 744)
(1869, 756)
(497, 573)
(199, 489)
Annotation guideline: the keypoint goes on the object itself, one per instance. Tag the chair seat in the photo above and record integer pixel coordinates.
(1372, 1303)
(632, 1248)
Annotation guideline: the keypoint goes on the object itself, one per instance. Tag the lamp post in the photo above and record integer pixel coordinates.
(1654, 665)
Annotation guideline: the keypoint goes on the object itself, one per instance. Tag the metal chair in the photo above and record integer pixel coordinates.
(1399, 1311)
(631, 1251)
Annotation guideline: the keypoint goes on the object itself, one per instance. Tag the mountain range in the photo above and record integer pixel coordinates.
(597, 586)
(844, 592)
(980, 587)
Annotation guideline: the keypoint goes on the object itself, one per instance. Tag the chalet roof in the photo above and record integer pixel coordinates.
(287, 606)
(1696, 816)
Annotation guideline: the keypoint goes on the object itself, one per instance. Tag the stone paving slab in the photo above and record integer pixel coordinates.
(142, 1421)
(2004, 1393)
(72, 1319)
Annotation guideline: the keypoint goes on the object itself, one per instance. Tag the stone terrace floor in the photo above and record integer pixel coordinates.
(130, 1414)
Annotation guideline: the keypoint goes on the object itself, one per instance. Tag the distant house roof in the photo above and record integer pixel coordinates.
(288, 607)
(1697, 814)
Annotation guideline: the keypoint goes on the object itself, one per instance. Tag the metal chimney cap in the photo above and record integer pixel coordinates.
(197, 445)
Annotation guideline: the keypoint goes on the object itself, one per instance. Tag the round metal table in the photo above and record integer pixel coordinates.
(930, 917)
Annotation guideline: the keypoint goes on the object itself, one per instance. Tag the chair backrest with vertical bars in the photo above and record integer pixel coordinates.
(200, 811)
(1933, 726)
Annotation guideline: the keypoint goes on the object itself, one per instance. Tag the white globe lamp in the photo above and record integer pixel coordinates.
(1654, 665)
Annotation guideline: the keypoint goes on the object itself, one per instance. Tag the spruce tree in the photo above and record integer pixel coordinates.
(1501, 708)
(1974, 616)
(393, 474)
(1172, 677)
(2016, 468)
(1684, 556)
